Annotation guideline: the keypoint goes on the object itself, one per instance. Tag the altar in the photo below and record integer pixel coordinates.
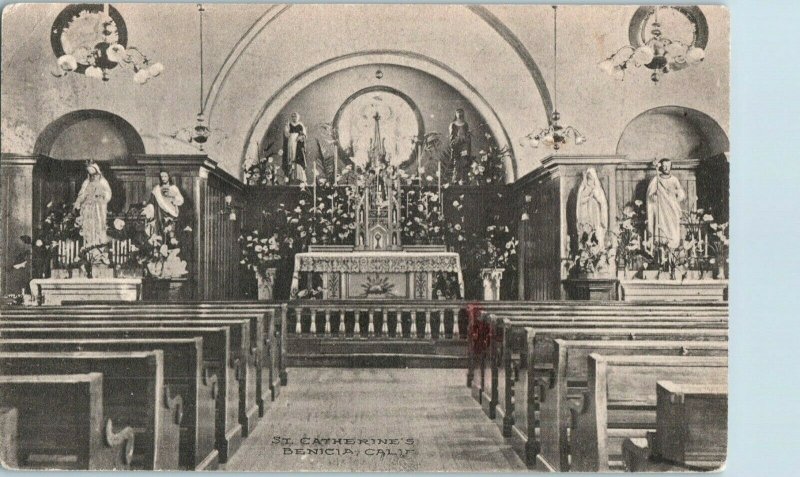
(377, 265)
(394, 274)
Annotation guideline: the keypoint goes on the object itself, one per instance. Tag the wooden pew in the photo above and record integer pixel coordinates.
(521, 406)
(134, 392)
(691, 429)
(275, 341)
(62, 423)
(8, 438)
(184, 372)
(246, 358)
(621, 402)
(562, 387)
(486, 324)
(508, 340)
(217, 355)
(271, 343)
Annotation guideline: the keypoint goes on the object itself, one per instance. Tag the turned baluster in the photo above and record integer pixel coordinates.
(413, 331)
(357, 325)
(327, 321)
(313, 326)
(398, 323)
(341, 322)
(427, 323)
(371, 326)
(298, 320)
(456, 332)
(441, 324)
(385, 324)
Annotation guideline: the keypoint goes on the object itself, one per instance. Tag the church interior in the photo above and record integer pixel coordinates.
(364, 237)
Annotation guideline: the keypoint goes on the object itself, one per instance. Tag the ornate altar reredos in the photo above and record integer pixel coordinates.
(377, 265)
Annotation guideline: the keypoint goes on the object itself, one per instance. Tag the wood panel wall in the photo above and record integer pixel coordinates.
(551, 231)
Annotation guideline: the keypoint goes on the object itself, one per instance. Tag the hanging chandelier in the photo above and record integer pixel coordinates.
(652, 48)
(201, 131)
(92, 39)
(555, 135)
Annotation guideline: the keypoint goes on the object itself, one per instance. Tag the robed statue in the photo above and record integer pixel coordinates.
(460, 147)
(294, 152)
(92, 205)
(162, 226)
(664, 197)
(592, 208)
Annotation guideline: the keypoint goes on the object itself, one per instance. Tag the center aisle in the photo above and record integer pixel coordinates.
(375, 420)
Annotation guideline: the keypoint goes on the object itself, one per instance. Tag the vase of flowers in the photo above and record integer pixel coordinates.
(495, 251)
(261, 255)
(593, 259)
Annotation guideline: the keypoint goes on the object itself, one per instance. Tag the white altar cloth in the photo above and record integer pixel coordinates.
(343, 270)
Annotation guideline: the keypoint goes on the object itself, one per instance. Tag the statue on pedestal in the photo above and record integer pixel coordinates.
(294, 151)
(92, 205)
(664, 197)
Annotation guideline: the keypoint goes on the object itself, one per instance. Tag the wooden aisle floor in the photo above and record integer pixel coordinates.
(419, 420)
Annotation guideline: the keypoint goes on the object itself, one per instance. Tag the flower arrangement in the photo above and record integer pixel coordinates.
(423, 223)
(593, 257)
(489, 166)
(629, 236)
(495, 248)
(259, 252)
(263, 171)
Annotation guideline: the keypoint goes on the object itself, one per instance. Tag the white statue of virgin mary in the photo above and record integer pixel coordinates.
(592, 209)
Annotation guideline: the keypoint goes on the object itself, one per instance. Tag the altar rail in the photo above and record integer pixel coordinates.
(388, 319)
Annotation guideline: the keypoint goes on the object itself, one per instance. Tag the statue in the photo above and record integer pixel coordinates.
(592, 209)
(162, 214)
(294, 152)
(92, 203)
(460, 147)
(664, 197)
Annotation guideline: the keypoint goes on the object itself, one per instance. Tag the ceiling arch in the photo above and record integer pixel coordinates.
(280, 98)
(290, 46)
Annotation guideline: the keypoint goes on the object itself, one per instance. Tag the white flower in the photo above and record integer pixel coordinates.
(119, 224)
(39, 243)
(164, 250)
(280, 153)
(457, 227)
(259, 248)
(249, 237)
(270, 159)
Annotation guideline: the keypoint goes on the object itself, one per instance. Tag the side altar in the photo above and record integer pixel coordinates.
(377, 265)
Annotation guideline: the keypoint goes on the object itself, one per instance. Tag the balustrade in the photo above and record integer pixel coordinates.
(384, 319)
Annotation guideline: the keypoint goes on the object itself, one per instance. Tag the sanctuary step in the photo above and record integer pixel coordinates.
(376, 353)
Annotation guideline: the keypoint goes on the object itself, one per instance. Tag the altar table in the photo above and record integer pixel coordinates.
(399, 274)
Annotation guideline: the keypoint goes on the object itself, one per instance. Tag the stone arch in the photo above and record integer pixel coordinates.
(675, 132)
(89, 134)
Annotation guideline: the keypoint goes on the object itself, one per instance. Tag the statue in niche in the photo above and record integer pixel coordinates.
(664, 197)
(294, 150)
(592, 210)
(460, 147)
(92, 205)
(162, 214)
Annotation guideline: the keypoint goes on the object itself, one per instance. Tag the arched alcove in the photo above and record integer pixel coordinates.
(675, 132)
(89, 134)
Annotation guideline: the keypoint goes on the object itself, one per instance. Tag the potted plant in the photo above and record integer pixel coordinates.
(718, 244)
(495, 250)
(261, 255)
